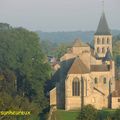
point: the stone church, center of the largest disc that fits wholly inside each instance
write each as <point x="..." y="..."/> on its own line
<point x="87" y="74"/>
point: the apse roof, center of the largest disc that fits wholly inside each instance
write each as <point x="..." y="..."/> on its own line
<point x="78" y="67"/>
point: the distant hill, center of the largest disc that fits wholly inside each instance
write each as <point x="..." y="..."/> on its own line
<point x="61" y="37"/>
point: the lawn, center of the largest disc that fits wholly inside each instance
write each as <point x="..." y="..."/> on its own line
<point x="65" y="115"/>
<point x="72" y="115"/>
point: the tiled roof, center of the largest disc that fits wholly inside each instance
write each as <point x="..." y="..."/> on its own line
<point x="78" y="67"/>
<point x="66" y="65"/>
<point x="103" y="28"/>
<point x="116" y="93"/>
<point x="100" y="68"/>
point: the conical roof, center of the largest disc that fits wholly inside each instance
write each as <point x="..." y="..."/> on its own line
<point x="103" y="28"/>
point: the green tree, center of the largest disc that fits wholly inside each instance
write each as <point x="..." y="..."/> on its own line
<point x="61" y="50"/>
<point x="88" y="112"/>
<point x="22" y="62"/>
<point x="48" y="47"/>
<point x="116" y="54"/>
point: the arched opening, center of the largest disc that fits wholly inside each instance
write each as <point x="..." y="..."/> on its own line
<point x="96" y="80"/>
<point x="103" y="41"/>
<point x="108" y="41"/>
<point x="108" y="48"/>
<point x="98" y="50"/>
<point x="98" y="41"/>
<point x="76" y="87"/>
<point x="104" y="80"/>
<point x="103" y="50"/>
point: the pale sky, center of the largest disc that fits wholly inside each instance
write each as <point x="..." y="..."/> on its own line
<point x="59" y="15"/>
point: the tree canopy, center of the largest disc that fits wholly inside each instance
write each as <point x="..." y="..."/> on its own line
<point x="88" y="112"/>
<point x="22" y="68"/>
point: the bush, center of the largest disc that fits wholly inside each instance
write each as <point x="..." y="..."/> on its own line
<point x="88" y="112"/>
<point x="116" y="115"/>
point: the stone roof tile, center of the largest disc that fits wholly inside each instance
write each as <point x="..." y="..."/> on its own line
<point x="78" y="67"/>
<point x="103" y="28"/>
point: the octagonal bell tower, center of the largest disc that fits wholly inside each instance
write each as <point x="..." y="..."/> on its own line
<point x="102" y="38"/>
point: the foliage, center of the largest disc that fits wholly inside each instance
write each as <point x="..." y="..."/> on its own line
<point x="61" y="50"/>
<point x="88" y="112"/>
<point x="116" y="115"/>
<point x="23" y="70"/>
<point x="105" y="114"/>
<point x="54" y="49"/>
<point x="48" y="47"/>
<point x="116" y="54"/>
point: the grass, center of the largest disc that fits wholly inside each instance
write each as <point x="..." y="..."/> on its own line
<point x="65" y="115"/>
<point x="72" y="115"/>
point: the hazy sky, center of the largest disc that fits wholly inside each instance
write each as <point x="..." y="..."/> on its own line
<point x="59" y="15"/>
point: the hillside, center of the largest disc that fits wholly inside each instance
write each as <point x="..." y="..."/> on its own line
<point x="60" y="37"/>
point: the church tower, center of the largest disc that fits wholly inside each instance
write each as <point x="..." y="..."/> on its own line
<point x="102" y="38"/>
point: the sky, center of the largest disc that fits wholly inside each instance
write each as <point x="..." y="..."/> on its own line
<point x="59" y="15"/>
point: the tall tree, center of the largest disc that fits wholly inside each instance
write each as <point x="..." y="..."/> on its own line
<point x="20" y="53"/>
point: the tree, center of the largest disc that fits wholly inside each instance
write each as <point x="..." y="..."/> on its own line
<point x="61" y="50"/>
<point x="116" y="54"/>
<point x="88" y="112"/>
<point x="23" y="62"/>
<point x="49" y="47"/>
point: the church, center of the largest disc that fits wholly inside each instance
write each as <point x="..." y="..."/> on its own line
<point x="87" y="74"/>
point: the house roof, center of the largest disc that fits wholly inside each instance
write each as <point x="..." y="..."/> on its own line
<point x="103" y="28"/>
<point x="99" y="68"/>
<point x="116" y="93"/>
<point x="78" y="67"/>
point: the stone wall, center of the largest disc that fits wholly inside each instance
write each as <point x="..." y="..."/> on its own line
<point x="53" y="97"/>
<point x="115" y="102"/>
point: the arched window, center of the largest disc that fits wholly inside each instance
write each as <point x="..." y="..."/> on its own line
<point x="108" y="41"/>
<point x="98" y="50"/>
<point x="76" y="87"/>
<point x="103" y="41"/>
<point x="95" y="80"/>
<point x="103" y="50"/>
<point x="104" y="80"/>
<point x="108" y="48"/>
<point x="98" y="41"/>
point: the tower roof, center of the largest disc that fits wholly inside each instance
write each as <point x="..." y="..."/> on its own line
<point x="103" y="28"/>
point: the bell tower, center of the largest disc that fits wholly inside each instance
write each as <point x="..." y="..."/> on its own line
<point x="102" y="38"/>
